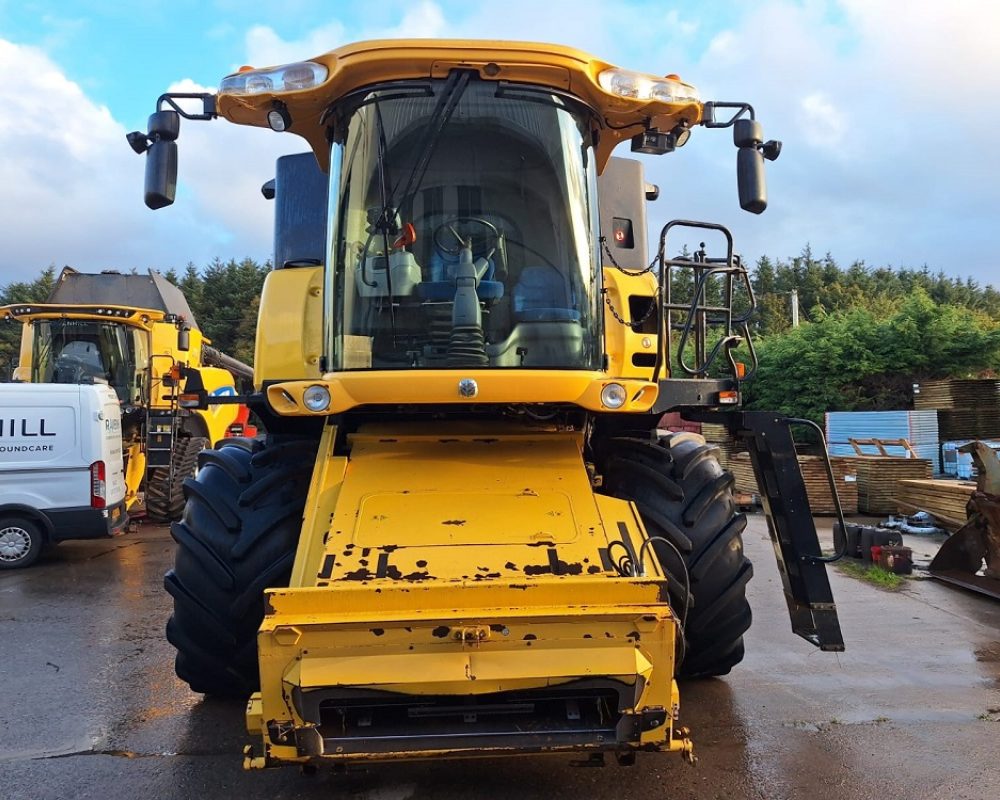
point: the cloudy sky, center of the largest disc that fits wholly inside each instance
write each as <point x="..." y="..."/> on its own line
<point x="888" y="111"/>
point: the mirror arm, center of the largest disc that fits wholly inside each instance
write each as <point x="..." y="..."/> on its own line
<point x="708" y="113"/>
<point x="208" y="104"/>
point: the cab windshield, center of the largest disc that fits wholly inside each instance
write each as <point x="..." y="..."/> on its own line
<point x="464" y="229"/>
<point x="83" y="351"/>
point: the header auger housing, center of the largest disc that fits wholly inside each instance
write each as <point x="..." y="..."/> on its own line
<point x="464" y="534"/>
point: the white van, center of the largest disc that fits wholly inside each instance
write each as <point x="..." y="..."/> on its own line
<point x="62" y="474"/>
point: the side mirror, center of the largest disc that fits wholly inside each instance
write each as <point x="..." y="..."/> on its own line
<point x="751" y="181"/>
<point x="184" y="339"/>
<point x="161" y="174"/>
<point x="161" y="158"/>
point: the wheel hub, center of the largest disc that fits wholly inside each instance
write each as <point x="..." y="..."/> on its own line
<point x="15" y="542"/>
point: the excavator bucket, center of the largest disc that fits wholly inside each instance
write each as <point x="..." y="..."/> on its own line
<point x="970" y="558"/>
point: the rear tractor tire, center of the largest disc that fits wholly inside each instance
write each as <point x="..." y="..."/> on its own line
<point x="683" y="495"/>
<point x="237" y="537"/>
<point x="165" y="487"/>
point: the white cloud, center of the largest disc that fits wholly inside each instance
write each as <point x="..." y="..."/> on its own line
<point x="71" y="184"/>
<point x="73" y="188"/>
<point x="886" y="124"/>
<point x="723" y="46"/>
<point x="823" y="125"/>
<point x="425" y="20"/>
<point x="266" y="48"/>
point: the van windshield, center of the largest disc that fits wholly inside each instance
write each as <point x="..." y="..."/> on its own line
<point x="84" y="351"/>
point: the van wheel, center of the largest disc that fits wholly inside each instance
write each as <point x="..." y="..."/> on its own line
<point x="20" y="542"/>
<point x="684" y="496"/>
<point x="237" y="537"/>
<point x="165" y="492"/>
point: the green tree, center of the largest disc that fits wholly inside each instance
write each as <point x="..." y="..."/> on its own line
<point x="867" y="359"/>
<point x="35" y="291"/>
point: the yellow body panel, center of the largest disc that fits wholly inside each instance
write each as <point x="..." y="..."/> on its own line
<point x="289" y="326"/>
<point x="353" y="389"/>
<point x="629" y="347"/>
<point x="468" y="560"/>
<point x="218" y="416"/>
<point x="364" y="63"/>
<point x="135" y="473"/>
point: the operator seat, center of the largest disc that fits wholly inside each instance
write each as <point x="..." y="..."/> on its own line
<point x="542" y="295"/>
<point x="547" y="330"/>
<point x="441" y="289"/>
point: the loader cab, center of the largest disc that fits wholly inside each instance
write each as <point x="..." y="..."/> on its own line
<point x="464" y="228"/>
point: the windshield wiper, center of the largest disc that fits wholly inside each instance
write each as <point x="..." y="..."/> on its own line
<point x="451" y="93"/>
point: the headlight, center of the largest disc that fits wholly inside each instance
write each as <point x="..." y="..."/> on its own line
<point x="286" y="78"/>
<point x="316" y="398"/>
<point x="613" y="395"/>
<point x="640" y="86"/>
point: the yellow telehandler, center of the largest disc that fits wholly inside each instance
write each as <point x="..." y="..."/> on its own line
<point x="137" y="334"/>
<point x="464" y="534"/>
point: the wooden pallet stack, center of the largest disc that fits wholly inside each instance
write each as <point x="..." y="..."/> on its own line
<point x="944" y="500"/>
<point x="969" y="423"/>
<point x="718" y="436"/>
<point x="816" y="480"/>
<point x="956" y="393"/>
<point x="967" y="409"/>
<point x="878" y="478"/>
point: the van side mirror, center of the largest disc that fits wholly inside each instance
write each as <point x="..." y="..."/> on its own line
<point x="184" y="339"/>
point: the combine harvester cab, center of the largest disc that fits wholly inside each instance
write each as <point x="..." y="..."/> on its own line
<point x="464" y="534"/>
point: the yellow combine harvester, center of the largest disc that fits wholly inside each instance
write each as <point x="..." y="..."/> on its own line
<point x="136" y="333"/>
<point x="464" y="534"/>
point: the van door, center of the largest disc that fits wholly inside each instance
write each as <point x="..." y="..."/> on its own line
<point x="111" y="446"/>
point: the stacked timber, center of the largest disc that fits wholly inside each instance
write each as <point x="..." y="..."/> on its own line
<point x="970" y="423"/>
<point x="718" y="436"/>
<point x="967" y="409"/>
<point x="954" y="393"/>
<point x="816" y="480"/>
<point x="944" y="500"/>
<point x="715" y="433"/>
<point x="878" y="478"/>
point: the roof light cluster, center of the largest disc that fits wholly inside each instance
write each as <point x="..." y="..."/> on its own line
<point x="114" y="312"/>
<point x="639" y="86"/>
<point x="275" y="80"/>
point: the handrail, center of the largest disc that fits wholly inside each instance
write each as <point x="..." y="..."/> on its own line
<point x="833" y="493"/>
<point x="697" y="312"/>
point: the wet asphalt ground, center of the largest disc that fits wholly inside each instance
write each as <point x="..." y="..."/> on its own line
<point x="90" y="707"/>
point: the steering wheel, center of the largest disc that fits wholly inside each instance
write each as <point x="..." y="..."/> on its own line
<point x="453" y="228"/>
